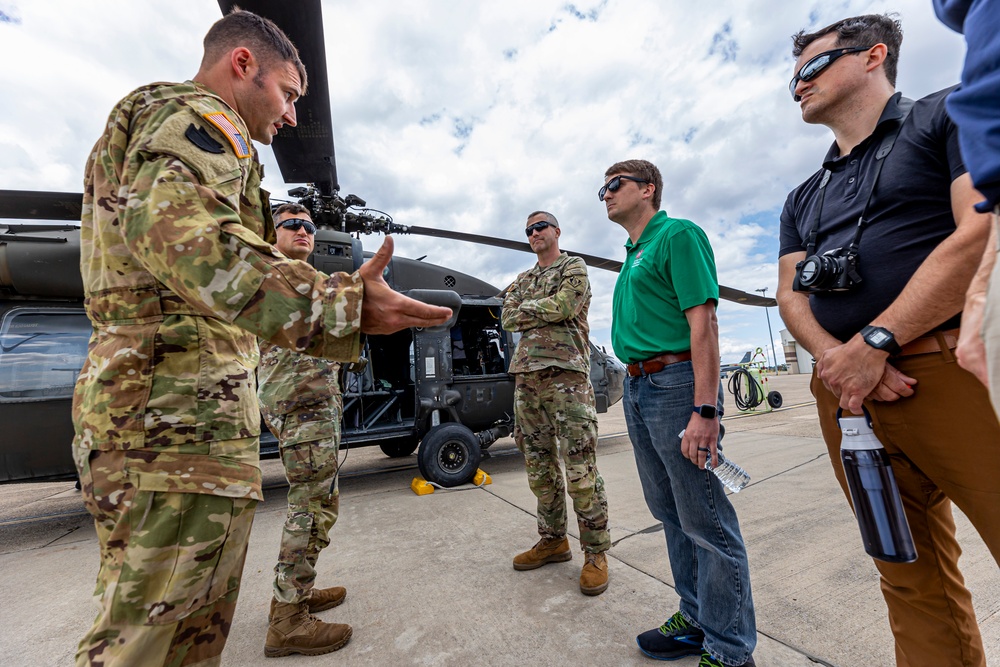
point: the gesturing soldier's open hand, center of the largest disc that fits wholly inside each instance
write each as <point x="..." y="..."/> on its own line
<point x="385" y="311"/>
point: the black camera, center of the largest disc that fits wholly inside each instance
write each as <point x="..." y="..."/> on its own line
<point x="834" y="271"/>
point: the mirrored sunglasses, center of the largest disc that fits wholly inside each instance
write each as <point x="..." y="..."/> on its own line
<point x="815" y="66"/>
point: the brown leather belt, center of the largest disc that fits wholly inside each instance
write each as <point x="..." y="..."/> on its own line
<point x="932" y="342"/>
<point x="657" y="363"/>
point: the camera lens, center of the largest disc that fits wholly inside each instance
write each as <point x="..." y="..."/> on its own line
<point x="820" y="271"/>
<point x="810" y="271"/>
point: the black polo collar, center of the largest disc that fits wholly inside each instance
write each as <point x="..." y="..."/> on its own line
<point x="890" y="115"/>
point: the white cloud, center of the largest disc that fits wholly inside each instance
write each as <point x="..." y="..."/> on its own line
<point x="468" y="116"/>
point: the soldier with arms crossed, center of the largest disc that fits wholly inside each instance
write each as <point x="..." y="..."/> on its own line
<point x="179" y="284"/>
<point x="554" y="408"/>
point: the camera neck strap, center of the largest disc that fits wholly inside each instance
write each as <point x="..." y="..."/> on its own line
<point x="904" y="105"/>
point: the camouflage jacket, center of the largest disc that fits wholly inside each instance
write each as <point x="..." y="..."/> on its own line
<point x="179" y="284"/>
<point x="289" y="380"/>
<point x="549" y="307"/>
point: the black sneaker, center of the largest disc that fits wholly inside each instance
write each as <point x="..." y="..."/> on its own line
<point x="709" y="661"/>
<point x="674" y="639"/>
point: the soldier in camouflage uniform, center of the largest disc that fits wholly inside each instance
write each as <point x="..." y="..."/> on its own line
<point x="300" y="400"/>
<point x="179" y="284"/>
<point x="554" y="412"/>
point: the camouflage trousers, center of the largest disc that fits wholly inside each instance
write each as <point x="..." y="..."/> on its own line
<point x="555" y="419"/>
<point x="309" y="439"/>
<point x="170" y="573"/>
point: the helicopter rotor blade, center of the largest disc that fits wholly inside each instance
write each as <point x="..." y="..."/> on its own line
<point x="33" y="205"/>
<point x="304" y="152"/>
<point x="745" y="298"/>
<point x="463" y="236"/>
<point x="727" y="293"/>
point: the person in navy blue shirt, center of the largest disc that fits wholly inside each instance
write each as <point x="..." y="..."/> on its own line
<point x="973" y="107"/>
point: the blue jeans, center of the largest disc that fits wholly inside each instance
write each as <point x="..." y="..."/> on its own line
<point x="707" y="555"/>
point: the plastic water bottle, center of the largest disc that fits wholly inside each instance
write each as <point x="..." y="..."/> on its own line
<point x="731" y="475"/>
<point x="877" y="505"/>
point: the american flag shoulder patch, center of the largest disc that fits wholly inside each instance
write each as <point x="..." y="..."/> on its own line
<point x="228" y="128"/>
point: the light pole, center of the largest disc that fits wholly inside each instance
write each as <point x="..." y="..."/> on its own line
<point x="774" y="355"/>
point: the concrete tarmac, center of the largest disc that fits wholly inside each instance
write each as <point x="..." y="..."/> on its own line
<point x="430" y="581"/>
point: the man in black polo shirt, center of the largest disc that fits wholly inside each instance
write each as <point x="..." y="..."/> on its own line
<point x="885" y="336"/>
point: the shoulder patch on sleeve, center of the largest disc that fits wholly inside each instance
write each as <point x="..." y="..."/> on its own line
<point x="220" y="120"/>
<point x="170" y="138"/>
<point x="200" y="137"/>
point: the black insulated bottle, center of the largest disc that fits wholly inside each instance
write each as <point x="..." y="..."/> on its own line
<point x="877" y="505"/>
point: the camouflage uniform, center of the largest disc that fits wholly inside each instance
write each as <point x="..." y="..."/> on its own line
<point x="300" y="400"/>
<point x="554" y="412"/>
<point x="179" y="284"/>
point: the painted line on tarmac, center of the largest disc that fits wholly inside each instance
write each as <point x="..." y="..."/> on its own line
<point x="740" y="415"/>
<point x="44" y="517"/>
<point x="783" y="408"/>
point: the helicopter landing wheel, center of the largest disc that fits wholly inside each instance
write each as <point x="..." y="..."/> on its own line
<point x="449" y="455"/>
<point x="399" y="447"/>
<point x="774" y="399"/>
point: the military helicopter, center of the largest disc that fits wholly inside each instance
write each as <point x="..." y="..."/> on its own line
<point x="445" y="389"/>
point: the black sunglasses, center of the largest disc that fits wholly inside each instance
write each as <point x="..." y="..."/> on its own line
<point x="537" y="227"/>
<point x="615" y="183"/>
<point x="815" y="66"/>
<point x="295" y="224"/>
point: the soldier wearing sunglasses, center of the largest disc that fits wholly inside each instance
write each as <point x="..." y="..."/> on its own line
<point x="301" y="403"/>
<point x="555" y="418"/>
<point x="887" y="341"/>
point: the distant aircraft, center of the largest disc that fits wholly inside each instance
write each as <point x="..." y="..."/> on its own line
<point x="725" y="370"/>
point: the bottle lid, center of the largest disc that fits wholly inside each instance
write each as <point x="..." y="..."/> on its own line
<point x="857" y="434"/>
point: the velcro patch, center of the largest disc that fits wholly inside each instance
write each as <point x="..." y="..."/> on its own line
<point x="228" y="128"/>
<point x="200" y="137"/>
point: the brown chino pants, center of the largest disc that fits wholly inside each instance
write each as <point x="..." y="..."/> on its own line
<point x="944" y="443"/>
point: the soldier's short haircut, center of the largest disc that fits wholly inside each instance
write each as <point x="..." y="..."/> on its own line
<point x="265" y="40"/>
<point x="292" y="208"/>
<point x="867" y="30"/>
<point x="548" y="217"/>
<point x="643" y="169"/>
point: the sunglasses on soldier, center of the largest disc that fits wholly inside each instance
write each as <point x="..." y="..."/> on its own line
<point x="537" y="227"/>
<point x="295" y="224"/>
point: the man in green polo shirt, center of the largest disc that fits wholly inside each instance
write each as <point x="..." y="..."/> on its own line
<point x="665" y="329"/>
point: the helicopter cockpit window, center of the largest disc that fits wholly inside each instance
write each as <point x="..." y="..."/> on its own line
<point x="477" y="342"/>
<point x="41" y="353"/>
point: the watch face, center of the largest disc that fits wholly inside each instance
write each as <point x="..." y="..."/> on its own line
<point x="878" y="337"/>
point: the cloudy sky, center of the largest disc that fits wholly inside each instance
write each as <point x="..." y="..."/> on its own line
<point x="470" y="115"/>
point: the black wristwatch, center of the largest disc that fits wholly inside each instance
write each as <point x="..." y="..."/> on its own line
<point x="707" y="411"/>
<point x="881" y="339"/>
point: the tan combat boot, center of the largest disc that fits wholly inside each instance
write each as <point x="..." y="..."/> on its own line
<point x="294" y="630"/>
<point x="321" y="599"/>
<point x="547" y="550"/>
<point x="594" y="575"/>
